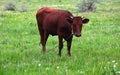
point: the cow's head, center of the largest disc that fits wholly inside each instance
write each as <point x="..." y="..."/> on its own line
<point x="77" y="23"/>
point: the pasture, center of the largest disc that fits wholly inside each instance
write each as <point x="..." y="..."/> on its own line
<point x="97" y="52"/>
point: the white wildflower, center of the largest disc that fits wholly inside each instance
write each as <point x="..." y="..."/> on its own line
<point x="47" y="68"/>
<point x="57" y="67"/>
<point x="118" y="72"/>
<point x="81" y="72"/>
<point x="114" y="65"/>
<point x="113" y="61"/>
<point x="39" y="65"/>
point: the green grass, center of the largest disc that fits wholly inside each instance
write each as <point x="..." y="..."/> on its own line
<point x="97" y="52"/>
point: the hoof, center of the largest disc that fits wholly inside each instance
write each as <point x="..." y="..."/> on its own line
<point x="69" y="54"/>
<point x="59" y="54"/>
<point x="43" y="52"/>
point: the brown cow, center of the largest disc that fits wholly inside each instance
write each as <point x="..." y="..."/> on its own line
<point x="61" y="23"/>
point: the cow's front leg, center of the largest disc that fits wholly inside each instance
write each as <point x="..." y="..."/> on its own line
<point x="60" y="44"/>
<point x="44" y="42"/>
<point x="69" y="42"/>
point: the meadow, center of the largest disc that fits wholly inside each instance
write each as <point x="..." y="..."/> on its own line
<point x="97" y="52"/>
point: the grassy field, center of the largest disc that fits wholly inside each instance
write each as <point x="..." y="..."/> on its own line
<point x="97" y="52"/>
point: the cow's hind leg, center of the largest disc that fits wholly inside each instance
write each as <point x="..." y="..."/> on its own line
<point x="41" y="36"/>
<point x="43" y="41"/>
<point x="60" y="44"/>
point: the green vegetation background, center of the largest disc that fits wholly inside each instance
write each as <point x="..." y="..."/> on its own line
<point x="97" y="52"/>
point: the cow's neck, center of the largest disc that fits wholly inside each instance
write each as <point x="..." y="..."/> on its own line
<point x="67" y="38"/>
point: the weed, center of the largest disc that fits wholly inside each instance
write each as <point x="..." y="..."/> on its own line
<point x="23" y="8"/>
<point x="10" y="6"/>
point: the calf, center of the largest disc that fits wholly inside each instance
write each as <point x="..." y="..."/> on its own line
<point x="58" y="22"/>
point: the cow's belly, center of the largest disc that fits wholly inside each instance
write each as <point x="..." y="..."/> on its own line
<point x="52" y="31"/>
<point x="50" y="27"/>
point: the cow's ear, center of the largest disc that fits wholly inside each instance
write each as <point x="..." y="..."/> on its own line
<point x="70" y="19"/>
<point x="85" y="20"/>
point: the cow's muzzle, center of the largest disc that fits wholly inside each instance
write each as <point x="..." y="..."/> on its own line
<point x="77" y="35"/>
